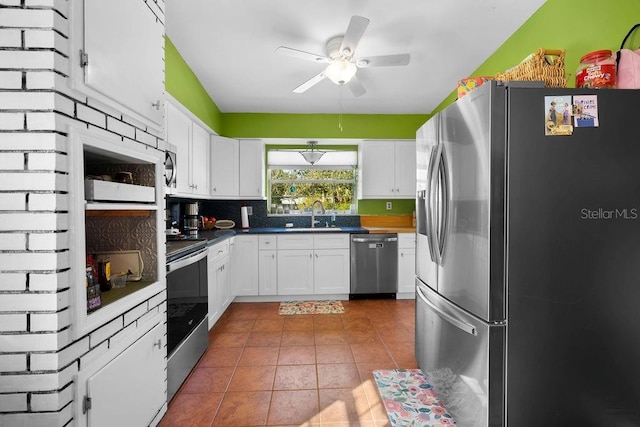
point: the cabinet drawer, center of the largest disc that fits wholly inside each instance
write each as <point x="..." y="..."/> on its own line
<point x="406" y="240"/>
<point x="267" y="242"/>
<point x="331" y="241"/>
<point x="297" y="241"/>
<point x="219" y="250"/>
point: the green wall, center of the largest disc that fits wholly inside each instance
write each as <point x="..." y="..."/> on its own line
<point x="368" y="126"/>
<point x="182" y="84"/>
<point x="578" y="26"/>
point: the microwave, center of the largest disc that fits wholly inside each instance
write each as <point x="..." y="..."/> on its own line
<point x="170" y="168"/>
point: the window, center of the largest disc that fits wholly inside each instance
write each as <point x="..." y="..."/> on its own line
<point x="294" y="185"/>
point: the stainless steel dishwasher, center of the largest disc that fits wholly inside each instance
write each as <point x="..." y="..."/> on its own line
<point x="374" y="265"/>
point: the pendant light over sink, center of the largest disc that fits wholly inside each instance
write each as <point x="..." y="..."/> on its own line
<point x="311" y="155"/>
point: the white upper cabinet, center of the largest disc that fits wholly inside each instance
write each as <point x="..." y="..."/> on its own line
<point x="224" y="167"/>
<point x="200" y="159"/>
<point x="122" y="55"/>
<point x="192" y="156"/>
<point x="387" y="169"/>
<point x="251" y="169"/>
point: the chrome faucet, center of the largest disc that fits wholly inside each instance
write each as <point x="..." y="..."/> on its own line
<point x="313" y="212"/>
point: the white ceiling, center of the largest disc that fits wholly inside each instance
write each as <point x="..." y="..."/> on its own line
<point x="230" y="44"/>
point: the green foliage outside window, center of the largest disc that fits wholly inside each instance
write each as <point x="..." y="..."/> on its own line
<point x="296" y="189"/>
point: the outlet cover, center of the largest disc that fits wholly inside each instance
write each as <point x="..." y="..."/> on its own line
<point x="389" y="206"/>
<point x="249" y="210"/>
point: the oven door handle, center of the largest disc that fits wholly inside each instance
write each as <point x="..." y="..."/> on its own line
<point x="191" y="259"/>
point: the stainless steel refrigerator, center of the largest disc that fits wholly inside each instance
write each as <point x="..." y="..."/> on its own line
<point x="528" y="256"/>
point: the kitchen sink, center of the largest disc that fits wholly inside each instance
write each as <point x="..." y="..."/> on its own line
<point x="313" y="229"/>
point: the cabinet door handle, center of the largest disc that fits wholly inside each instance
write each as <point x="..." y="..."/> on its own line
<point x="158" y="343"/>
<point x="156" y="105"/>
<point x="273" y="255"/>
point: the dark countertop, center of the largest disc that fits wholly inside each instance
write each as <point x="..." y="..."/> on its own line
<point x="216" y="236"/>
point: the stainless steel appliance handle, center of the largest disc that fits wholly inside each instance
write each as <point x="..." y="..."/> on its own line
<point x="169" y="166"/>
<point x="464" y="326"/>
<point x="366" y="240"/>
<point x="191" y="259"/>
<point x="421" y="212"/>
<point x="443" y="204"/>
<point x="432" y="178"/>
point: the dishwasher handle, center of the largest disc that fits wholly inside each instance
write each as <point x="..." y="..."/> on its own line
<point x="369" y="240"/>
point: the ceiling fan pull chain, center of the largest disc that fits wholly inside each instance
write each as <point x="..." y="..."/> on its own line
<point x="340" y="107"/>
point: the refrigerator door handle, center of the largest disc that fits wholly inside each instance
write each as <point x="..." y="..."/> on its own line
<point x="443" y="204"/>
<point x="431" y="174"/>
<point x="470" y="329"/>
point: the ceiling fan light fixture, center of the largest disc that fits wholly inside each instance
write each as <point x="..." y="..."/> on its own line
<point x="340" y="71"/>
<point x="311" y="155"/>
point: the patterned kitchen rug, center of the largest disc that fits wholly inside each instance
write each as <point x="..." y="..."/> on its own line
<point x="310" y="307"/>
<point x="410" y="399"/>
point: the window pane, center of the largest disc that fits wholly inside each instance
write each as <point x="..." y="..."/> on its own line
<point x="296" y="189"/>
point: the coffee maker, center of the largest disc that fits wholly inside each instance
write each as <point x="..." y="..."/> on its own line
<point x="190" y="226"/>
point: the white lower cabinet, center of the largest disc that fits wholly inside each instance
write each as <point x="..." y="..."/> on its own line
<point x="313" y="264"/>
<point x="219" y="291"/>
<point x="295" y="271"/>
<point x="267" y="265"/>
<point x="331" y="271"/>
<point x="244" y="265"/>
<point x="131" y="388"/>
<point x="407" y="264"/>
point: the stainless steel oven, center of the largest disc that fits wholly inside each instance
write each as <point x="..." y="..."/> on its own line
<point x="187" y="309"/>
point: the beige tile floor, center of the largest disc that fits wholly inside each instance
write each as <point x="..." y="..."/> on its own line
<point x="263" y="369"/>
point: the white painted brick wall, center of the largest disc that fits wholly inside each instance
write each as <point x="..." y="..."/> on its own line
<point x="12" y="201"/>
<point x="12" y="161"/>
<point x="23" y="18"/>
<point x="48" y="202"/>
<point x="13" y="281"/>
<point x="10" y="79"/>
<point x="38" y="354"/>
<point x="47" y="161"/>
<point x="11" y="121"/>
<point x="120" y="128"/>
<point x="34" y="342"/>
<point x="34" y="301"/>
<point x="32" y="141"/>
<point x="13" y="242"/>
<point x="92" y="116"/>
<point x="13" y="322"/>
<point x="48" y="241"/>
<point x="13" y="362"/>
<point x="40" y="322"/>
<point x="10" y="37"/>
<point x="50" y="281"/>
<point x="51" y="401"/>
<point x="55" y="361"/>
<point x="106" y="331"/>
<point x="32" y="59"/>
<point x="13" y="402"/>
<point x="33" y="221"/>
<point x="33" y="181"/>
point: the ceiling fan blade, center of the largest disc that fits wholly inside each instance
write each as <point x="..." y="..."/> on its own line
<point x="301" y="54"/>
<point x="309" y="83"/>
<point x="356" y="87"/>
<point x="354" y="33"/>
<point x="384" y="60"/>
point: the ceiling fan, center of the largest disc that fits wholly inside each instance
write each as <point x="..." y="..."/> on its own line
<point x="340" y="51"/>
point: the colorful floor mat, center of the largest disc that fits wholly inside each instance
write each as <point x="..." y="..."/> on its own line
<point x="410" y="400"/>
<point x="310" y="307"/>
